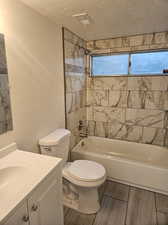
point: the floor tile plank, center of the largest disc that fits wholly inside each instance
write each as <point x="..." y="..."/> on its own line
<point x="116" y="190"/>
<point x="141" y="208"/>
<point x="162" y="203"/>
<point x="162" y="218"/>
<point x="113" y="212"/>
<point x="75" y="218"/>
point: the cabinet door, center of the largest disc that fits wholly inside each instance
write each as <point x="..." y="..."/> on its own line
<point x="20" y="217"/>
<point x="45" y="205"/>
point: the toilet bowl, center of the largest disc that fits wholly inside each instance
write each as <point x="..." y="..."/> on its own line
<point x="85" y="176"/>
<point x="81" y="178"/>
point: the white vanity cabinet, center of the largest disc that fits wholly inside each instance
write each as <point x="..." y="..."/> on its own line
<point x="43" y="206"/>
<point x="20" y="217"/>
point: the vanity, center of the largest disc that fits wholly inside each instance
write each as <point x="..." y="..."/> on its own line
<point x="30" y="188"/>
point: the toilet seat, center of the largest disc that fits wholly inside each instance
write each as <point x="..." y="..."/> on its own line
<point x="85" y="170"/>
<point x="85" y="173"/>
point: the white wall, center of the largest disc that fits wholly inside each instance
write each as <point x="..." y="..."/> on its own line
<point x="35" y="63"/>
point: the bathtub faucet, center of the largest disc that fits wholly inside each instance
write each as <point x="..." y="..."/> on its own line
<point x="83" y="130"/>
<point x="81" y="125"/>
<point x="83" y="135"/>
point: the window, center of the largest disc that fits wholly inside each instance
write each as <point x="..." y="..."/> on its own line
<point x="146" y="63"/>
<point x="110" y="65"/>
<point x="149" y="63"/>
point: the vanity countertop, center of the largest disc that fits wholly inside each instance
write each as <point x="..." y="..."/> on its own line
<point x="20" y="173"/>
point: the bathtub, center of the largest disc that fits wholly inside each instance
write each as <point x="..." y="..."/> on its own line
<point x="139" y="165"/>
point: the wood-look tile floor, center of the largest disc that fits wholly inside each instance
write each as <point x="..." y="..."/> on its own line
<point x="124" y="205"/>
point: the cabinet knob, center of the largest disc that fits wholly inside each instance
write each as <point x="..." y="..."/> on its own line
<point x="34" y="207"/>
<point x="25" y="218"/>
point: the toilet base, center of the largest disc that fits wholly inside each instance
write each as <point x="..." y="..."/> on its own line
<point x="82" y="199"/>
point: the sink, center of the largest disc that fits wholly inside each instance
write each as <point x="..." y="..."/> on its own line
<point x="10" y="176"/>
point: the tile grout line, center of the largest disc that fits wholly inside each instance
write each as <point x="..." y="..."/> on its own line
<point x="115" y="198"/>
<point x="156" y="209"/>
<point x="127" y="205"/>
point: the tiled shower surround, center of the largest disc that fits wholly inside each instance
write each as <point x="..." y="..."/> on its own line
<point x="126" y="108"/>
<point x="75" y="80"/>
<point x="129" y="108"/>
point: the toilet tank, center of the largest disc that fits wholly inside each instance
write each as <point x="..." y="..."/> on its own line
<point x="56" y="144"/>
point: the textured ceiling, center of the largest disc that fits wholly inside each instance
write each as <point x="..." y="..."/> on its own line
<point x="111" y="18"/>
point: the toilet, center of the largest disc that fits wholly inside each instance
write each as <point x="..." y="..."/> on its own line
<point x="81" y="178"/>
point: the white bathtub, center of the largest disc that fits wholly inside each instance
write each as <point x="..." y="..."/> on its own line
<point x="131" y="163"/>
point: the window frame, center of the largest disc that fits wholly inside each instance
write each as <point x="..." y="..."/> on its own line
<point x="129" y="64"/>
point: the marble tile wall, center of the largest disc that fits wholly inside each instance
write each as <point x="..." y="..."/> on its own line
<point x="130" y="43"/>
<point x="75" y="81"/>
<point x="5" y="105"/>
<point x="129" y="108"/>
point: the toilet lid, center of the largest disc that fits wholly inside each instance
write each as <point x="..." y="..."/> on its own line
<point x="86" y="170"/>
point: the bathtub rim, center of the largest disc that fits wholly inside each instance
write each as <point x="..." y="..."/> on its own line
<point x="163" y="148"/>
<point x="77" y="148"/>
